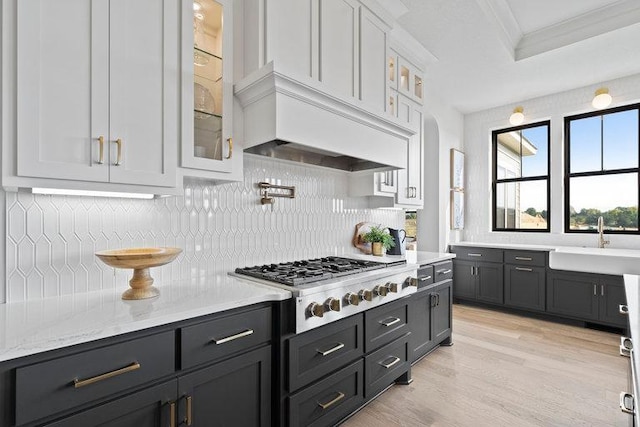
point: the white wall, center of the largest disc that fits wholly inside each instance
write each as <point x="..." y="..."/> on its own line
<point x="51" y="240"/>
<point x="443" y="131"/>
<point x="477" y="147"/>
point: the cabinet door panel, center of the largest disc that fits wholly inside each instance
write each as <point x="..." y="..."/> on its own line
<point x="524" y="287"/>
<point x="420" y="340"/>
<point x="216" y="392"/>
<point x="144" y="57"/>
<point x="490" y="282"/>
<point x="373" y="44"/>
<point x="464" y="279"/>
<point x="62" y="88"/>
<point x="572" y="295"/>
<point x="410" y="179"/>
<point x="337" y="56"/>
<point x="612" y="295"/>
<point x="147" y="408"/>
<point x="441" y="314"/>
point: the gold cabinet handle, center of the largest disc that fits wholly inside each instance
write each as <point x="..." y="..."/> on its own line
<point x="101" y="141"/>
<point x="233" y="337"/>
<point x="189" y="408"/>
<point x="230" y="142"/>
<point x="389" y="365"/>
<point x="81" y="383"/>
<point x="172" y="414"/>
<point x="119" y="158"/>
<point x="332" y="402"/>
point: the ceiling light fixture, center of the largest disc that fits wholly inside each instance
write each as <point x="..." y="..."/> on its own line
<point x="517" y="117"/>
<point x="602" y="99"/>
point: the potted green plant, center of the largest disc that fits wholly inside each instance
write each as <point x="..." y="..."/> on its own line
<point x="379" y="239"/>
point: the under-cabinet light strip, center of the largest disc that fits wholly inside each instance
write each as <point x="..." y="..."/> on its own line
<point x="66" y="192"/>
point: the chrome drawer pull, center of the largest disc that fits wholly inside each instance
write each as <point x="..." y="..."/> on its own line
<point x="524" y="258"/>
<point x="233" y="337"/>
<point x="524" y="269"/>
<point x="444" y="271"/>
<point x="623" y="309"/>
<point x="396" y="360"/>
<point x="422" y="279"/>
<point x="623" y="404"/>
<point x="332" y="402"/>
<point x="81" y="383"/>
<point x="331" y="350"/>
<point x="626" y="345"/>
<point x="474" y="254"/>
<point x="388" y="323"/>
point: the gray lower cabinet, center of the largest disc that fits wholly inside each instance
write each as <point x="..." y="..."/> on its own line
<point x="236" y="392"/>
<point x="151" y="407"/>
<point x="481" y="281"/>
<point x="140" y="379"/>
<point x="524" y="287"/>
<point x="430" y="317"/>
<point x="589" y="297"/>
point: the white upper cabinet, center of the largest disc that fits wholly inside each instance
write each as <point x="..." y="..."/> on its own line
<point x="96" y="91"/>
<point x="373" y="44"/>
<point x="410" y="187"/>
<point x="338" y="33"/>
<point x="207" y="148"/>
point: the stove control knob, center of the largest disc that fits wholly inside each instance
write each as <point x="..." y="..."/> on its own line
<point x="380" y="290"/>
<point x="365" y="295"/>
<point x="352" y="299"/>
<point x="332" y="304"/>
<point x="315" y="309"/>
<point x="392" y="287"/>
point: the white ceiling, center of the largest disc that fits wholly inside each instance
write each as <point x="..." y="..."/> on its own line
<point x="488" y="53"/>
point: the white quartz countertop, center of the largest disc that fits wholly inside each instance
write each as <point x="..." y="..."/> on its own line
<point x="521" y="246"/>
<point x="37" y="326"/>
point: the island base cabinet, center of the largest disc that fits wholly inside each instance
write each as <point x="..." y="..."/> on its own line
<point x="148" y="408"/>
<point x="236" y="392"/>
<point x="441" y="314"/>
<point x="329" y="400"/>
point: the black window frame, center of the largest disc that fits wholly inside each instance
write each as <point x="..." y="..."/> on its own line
<point x="567" y="166"/>
<point x="495" y="181"/>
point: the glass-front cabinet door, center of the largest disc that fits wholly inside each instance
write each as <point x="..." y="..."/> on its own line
<point x="207" y="50"/>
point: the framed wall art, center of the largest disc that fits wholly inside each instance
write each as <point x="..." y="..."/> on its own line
<point x="457" y="169"/>
<point x="457" y="210"/>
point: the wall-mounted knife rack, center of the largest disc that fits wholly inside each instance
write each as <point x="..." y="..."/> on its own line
<point x="267" y="197"/>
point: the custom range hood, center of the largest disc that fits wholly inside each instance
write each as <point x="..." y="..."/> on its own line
<point x="289" y="119"/>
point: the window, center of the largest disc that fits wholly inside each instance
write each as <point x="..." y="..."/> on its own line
<point x="602" y="170"/>
<point x="521" y="178"/>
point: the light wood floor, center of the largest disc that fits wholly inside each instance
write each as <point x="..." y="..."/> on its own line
<point x="507" y="370"/>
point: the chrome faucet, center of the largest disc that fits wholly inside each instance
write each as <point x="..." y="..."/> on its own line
<point x="601" y="240"/>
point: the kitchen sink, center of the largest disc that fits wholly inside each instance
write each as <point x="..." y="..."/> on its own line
<point x="596" y="260"/>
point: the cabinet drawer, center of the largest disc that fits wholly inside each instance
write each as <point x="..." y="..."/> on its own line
<point x="322" y="350"/>
<point x="384" y="366"/>
<point x="217" y="338"/>
<point x="386" y="323"/>
<point x="477" y="254"/>
<point x="330" y="400"/>
<point x="49" y="387"/>
<point x="525" y="258"/>
<point x="442" y="271"/>
<point x="425" y="276"/>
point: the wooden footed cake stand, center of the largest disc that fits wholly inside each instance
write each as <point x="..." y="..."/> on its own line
<point x="140" y="260"/>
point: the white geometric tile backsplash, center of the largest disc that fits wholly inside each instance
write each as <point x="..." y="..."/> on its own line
<point x="51" y="240"/>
